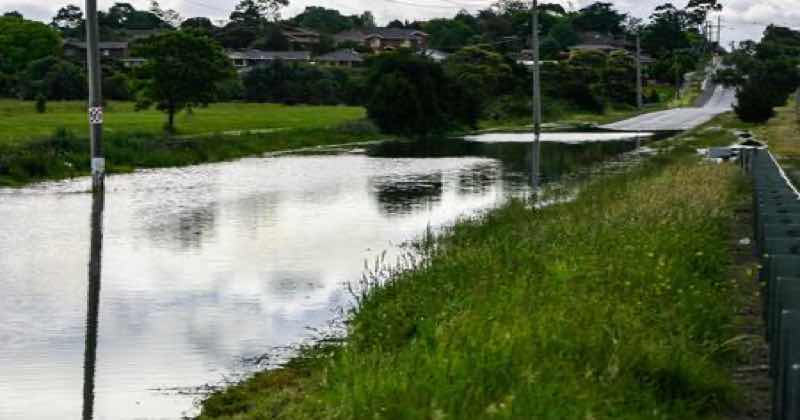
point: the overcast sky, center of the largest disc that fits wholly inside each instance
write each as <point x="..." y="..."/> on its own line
<point x="742" y="19"/>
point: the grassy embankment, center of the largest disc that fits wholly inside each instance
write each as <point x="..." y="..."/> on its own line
<point x="619" y="305"/>
<point x="54" y="145"/>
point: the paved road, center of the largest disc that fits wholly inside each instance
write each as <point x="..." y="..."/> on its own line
<point x="680" y="119"/>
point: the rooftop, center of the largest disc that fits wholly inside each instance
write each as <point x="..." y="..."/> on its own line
<point x="269" y="55"/>
<point x="342" y="55"/>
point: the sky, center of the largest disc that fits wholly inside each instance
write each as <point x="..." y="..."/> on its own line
<point x="741" y="19"/>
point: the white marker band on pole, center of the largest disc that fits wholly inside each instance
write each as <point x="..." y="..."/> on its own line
<point x="96" y="115"/>
<point x="98" y="166"/>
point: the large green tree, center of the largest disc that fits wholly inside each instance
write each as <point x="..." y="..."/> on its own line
<point x="600" y="17"/>
<point x="183" y="70"/>
<point x="23" y="41"/>
<point x="410" y="95"/>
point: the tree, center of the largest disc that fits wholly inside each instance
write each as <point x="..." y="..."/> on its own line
<point x="169" y="16"/>
<point x="448" y="34"/>
<point x="182" y="71"/>
<point x="254" y="10"/>
<point x="600" y="17"/>
<point x="667" y="31"/>
<point x="201" y="25"/>
<point x="366" y="21"/>
<point x="324" y="20"/>
<point x="23" y="41"/>
<point x="68" y="18"/>
<point x="396" y="24"/>
<point x="564" y="33"/>
<point x="698" y="10"/>
<point x="53" y="79"/>
<point x="484" y="70"/>
<point x="13" y="14"/>
<point x="754" y="104"/>
<point x="410" y="95"/>
<point x="620" y="76"/>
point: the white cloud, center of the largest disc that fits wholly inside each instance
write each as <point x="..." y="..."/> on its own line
<point x="742" y="19"/>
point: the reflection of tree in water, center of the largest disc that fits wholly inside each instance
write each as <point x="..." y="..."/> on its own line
<point x="557" y="158"/>
<point x="405" y="194"/>
<point x="477" y="179"/>
<point x="188" y="228"/>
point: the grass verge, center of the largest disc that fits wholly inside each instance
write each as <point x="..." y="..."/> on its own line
<point x="616" y="305"/>
<point x="65" y="155"/>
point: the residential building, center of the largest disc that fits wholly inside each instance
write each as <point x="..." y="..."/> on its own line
<point x="76" y="50"/>
<point x="300" y="38"/>
<point x="342" y="58"/>
<point x="596" y="41"/>
<point x="244" y="60"/>
<point x="386" y="39"/>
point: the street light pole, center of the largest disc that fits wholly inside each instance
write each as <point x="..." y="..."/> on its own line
<point x="95" y="96"/>
<point x="537" y="97"/>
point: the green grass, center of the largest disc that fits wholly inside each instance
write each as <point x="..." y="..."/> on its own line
<point x="19" y="122"/>
<point x="55" y="145"/>
<point x="66" y="155"/>
<point x="618" y="305"/>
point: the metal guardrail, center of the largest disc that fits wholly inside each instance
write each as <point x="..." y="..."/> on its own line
<point x="776" y="205"/>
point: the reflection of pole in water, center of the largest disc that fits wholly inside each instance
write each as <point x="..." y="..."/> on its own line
<point x="93" y="301"/>
<point x="537" y="99"/>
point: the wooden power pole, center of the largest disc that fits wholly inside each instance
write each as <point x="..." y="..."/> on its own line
<point x="95" y="95"/>
<point x="639" y="98"/>
<point x="537" y="97"/>
<point x="98" y="204"/>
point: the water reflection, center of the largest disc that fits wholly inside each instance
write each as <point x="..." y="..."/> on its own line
<point x="93" y="300"/>
<point x="213" y="264"/>
<point x="402" y="196"/>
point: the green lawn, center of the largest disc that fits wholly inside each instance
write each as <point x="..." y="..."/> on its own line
<point x="19" y="121"/>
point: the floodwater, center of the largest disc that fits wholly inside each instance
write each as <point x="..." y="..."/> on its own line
<point x="207" y="267"/>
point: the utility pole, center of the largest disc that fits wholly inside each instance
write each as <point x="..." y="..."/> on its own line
<point x="537" y="97"/>
<point x="639" y="98"/>
<point x="95" y="96"/>
<point x="98" y="205"/>
<point x="719" y="30"/>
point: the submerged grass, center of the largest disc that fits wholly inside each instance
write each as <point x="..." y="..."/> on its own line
<point x="617" y="305"/>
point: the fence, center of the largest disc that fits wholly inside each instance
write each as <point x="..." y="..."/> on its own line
<point x="776" y="206"/>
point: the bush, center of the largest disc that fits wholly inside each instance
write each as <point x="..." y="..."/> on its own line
<point x="412" y="96"/>
<point x="754" y="103"/>
<point x="41" y="104"/>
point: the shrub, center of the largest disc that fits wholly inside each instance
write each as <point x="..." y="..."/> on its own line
<point x="755" y="104"/>
<point x="41" y="103"/>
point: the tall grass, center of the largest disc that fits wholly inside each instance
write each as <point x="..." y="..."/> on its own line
<point x="617" y="305"/>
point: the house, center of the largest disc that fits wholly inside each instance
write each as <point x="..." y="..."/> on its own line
<point x="343" y="58"/>
<point x="244" y="60"/>
<point x="596" y="41"/>
<point x="76" y="50"/>
<point x="300" y="38"/>
<point x="386" y="39"/>
<point x="435" y="55"/>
